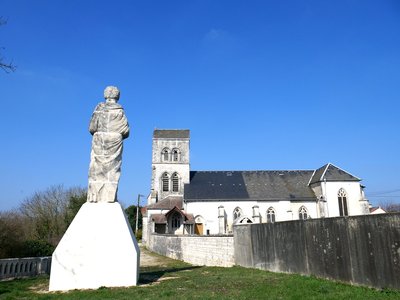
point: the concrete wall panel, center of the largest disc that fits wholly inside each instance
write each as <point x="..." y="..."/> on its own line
<point x="360" y="249"/>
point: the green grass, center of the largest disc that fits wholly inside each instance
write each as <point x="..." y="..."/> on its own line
<point x="177" y="280"/>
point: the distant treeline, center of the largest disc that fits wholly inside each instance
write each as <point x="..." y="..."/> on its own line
<point x="36" y="227"/>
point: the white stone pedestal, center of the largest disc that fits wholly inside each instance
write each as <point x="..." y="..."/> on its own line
<point x="98" y="249"/>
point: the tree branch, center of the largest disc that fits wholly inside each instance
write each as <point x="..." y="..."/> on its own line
<point x="6" y="67"/>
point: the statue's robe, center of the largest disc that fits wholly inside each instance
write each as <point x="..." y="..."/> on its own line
<point x="109" y="127"/>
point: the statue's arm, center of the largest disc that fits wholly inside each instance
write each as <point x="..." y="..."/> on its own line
<point x="125" y="133"/>
<point x="93" y="123"/>
<point x="125" y="128"/>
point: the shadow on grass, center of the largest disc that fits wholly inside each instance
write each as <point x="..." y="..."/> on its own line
<point x="154" y="276"/>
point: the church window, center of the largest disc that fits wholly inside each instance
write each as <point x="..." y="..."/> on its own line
<point x="303" y="214"/>
<point x="237" y="213"/>
<point x="165" y="182"/>
<point x="165" y="154"/>
<point x="270" y="215"/>
<point x="175" y="155"/>
<point x="175" y="182"/>
<point x="342" y="199"/>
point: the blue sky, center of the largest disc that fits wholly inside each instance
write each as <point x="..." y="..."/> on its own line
<point x="262" y="85"/>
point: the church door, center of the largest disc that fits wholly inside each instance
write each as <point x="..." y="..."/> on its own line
<point x="198" y="229"/>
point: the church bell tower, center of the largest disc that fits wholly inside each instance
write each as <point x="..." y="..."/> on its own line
<point x="170" y="163"/>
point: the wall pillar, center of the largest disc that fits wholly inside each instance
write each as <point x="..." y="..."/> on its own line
<point x="221" y="219"/>
<point x="256" y="214"/>
<point x="322" y="207"/>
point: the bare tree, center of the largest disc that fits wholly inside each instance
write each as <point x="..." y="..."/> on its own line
<point x="48" y="212"/>
<point x="7" y="67"/>
<point x="36" y="227"/>
<point x="12" y="234"/>
<point x="390" y="206"/>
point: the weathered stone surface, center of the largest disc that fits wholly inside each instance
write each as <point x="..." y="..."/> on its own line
<point x="360" y="249"/>
<point x="98" y="249"/>
<point x="109" y="128"/>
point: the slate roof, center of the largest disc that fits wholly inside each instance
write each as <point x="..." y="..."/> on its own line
<point x="249" y="185"/>
<point x="159" y="218"/>
<point x="168" y="203"/>
<point x="162" y="218"/>
<point x="330" y="172"/>
<point x="171" y="134"/>
<point x="187" y="218"/>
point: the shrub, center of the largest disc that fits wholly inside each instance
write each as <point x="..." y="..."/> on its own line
<point x="35" y="248"/>
<point x="139" y="234"/>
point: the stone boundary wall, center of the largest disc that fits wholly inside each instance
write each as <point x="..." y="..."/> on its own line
<point x="202" y="250"/>
<point x="361" y="249"/>
<point x="24" y="267"/>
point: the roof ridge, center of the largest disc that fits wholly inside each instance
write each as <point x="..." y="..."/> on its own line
<point x="345" y="171"/>
<point x="312" y="176"/>
<point x="323" y="174"/>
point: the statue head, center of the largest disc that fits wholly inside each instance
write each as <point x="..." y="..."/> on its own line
<point x="111" y="92"/>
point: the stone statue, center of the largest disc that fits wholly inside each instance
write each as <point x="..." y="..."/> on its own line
<point x="109" y="128"/>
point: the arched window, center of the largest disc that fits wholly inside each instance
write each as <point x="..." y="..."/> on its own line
<point x="176" y="221"/>
<point x="342" y="199"/>
<point x="303" y="214"/>
<point x="165" y="182"/>
<point x="175" y="155"/>
<point x="270" y="215"/>
<point x="237" y="212"/>
<point x="165" y="154"/>
<point x="245" y="220"/>
<point x="175" y="182"/>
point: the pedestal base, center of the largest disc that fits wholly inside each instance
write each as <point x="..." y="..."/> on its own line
<point x="98" y="249"/>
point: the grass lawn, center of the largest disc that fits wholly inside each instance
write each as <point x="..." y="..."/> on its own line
<point x="173" y="279"/>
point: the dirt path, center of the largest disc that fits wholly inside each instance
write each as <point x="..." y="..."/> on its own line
<point x="148" y="259"/>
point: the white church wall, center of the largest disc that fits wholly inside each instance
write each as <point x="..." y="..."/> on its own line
<point x="355" y="202"/>
<point x="281" y="209"/>
<point x="209" y="211"/>
<point x="311" y="208"/>
<point x="284" y="211"/>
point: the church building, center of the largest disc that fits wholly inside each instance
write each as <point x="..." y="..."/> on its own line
<point x="182" y="201"/>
